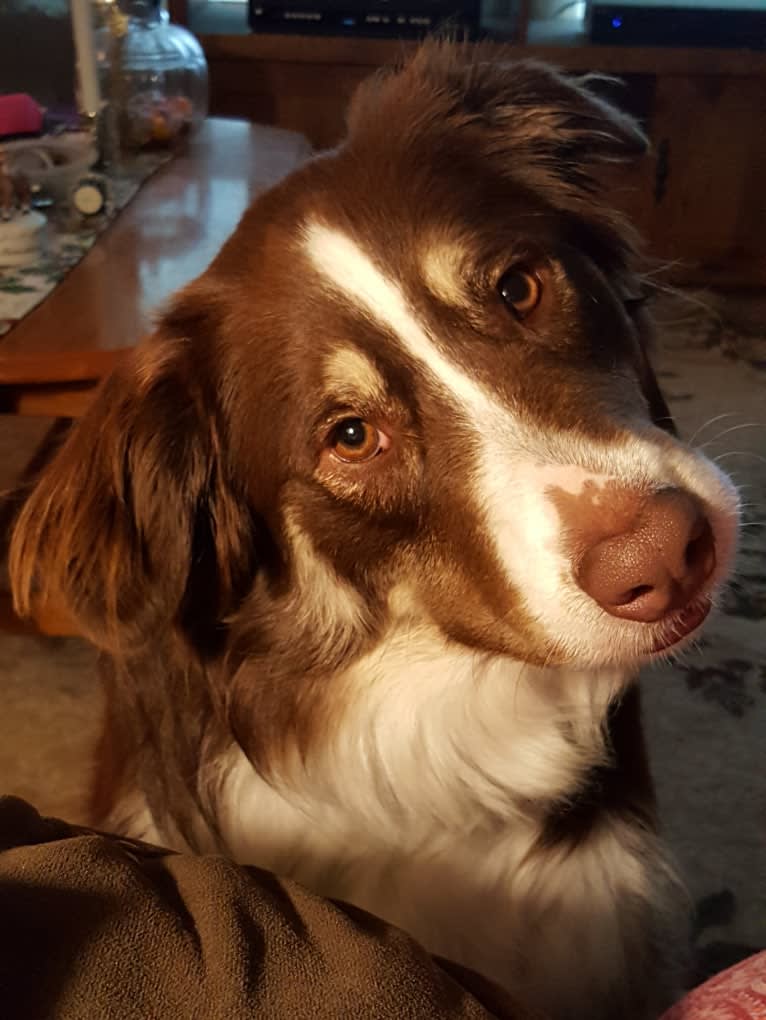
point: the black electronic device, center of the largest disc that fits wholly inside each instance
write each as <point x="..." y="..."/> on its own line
<point x="738" y="24"/>
<point x="382" y="18"/>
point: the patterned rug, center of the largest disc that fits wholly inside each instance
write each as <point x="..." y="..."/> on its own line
<point x="705" y="715"/>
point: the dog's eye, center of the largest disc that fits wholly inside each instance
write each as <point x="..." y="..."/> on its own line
<point x="354" y="440"/>
<point x="521" y="290"/>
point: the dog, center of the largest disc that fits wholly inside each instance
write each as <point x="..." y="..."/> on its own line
<point x="377" y="527"/>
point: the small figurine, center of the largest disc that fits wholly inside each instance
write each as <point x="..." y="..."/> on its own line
<point x="21" y="227"/>
<point x="15" y="191"/>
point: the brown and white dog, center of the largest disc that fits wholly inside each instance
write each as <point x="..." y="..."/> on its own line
<point x="378" y="526"/>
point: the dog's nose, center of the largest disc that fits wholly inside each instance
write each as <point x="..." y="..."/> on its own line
<point x="657" y="567"/>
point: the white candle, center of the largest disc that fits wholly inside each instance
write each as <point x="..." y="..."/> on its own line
<point x="85" y="50"/>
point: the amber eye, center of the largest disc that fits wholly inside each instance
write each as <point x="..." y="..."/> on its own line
<point x="521" y="290"/>
<point x="353" y="441"/>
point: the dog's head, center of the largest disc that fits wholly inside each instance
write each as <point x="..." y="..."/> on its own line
<point x="413" y="386"/>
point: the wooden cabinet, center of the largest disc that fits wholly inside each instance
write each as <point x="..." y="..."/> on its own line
<point x="699" y="198"/>
<point x="710" y="136"/>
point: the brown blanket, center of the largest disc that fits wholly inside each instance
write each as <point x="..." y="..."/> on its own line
<point x="95" y="927"/>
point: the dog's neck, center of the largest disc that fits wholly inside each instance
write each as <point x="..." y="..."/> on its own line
<point x="435" y="737"/>
<point x="431" y="805"/>
<point x="429" y="802"/>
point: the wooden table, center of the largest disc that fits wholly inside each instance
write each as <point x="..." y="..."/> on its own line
<point x="53" y="358"/>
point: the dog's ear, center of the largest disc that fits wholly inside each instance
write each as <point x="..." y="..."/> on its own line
<point x="522" y="114"/>
<point x="136" y="524"/>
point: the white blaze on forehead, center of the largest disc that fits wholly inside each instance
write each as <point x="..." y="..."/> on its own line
<point x="352" y="273"/>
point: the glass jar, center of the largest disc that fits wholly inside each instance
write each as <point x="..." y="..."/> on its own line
<point x="153" y="74"/>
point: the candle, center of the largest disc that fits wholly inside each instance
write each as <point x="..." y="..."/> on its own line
<point x="85" y="50"/>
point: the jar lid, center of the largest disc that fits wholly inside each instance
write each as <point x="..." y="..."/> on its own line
<point x="140" y="8"/>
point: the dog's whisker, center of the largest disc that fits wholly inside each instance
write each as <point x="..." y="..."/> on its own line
<point x="708" y="423"/>
<point x="740" y="453"/>
<point x="666" y="266"/>
<point x="733" y="428"/>
<point x="741" y="486"/>
<point x="693" y="300"/>
<point x="750" y="502"/>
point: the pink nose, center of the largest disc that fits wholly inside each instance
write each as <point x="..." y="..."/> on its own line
<point x="656" y="568"/>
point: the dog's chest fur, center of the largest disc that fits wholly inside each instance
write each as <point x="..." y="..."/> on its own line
<point x="428" y="807"/>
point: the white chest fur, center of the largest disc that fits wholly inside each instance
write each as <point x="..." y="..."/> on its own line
<point x="425" y="808"/>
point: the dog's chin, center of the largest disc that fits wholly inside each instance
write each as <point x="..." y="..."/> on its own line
<point x="681" y="628"/>
<point x="667" y="637"/>
<point x="628" y="645"/>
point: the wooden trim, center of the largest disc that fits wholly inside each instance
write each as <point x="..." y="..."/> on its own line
<point x="303" y="49"/>
<point x="657" y="60"/>
<point x="51" y="401"/>
<point x="57" y="366"/>
<point x="179" y="11"/>
<point x="523" y="17"/>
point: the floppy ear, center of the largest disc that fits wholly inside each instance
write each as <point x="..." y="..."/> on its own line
<point x="136" y="524"/>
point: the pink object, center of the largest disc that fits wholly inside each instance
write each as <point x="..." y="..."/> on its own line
<point x="20" y="115"/>
<point x="738" y="993"/>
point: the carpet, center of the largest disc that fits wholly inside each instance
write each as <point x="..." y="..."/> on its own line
<point x="705" y="713"/>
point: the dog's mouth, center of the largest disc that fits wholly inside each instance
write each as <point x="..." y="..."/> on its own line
<point x="681" y="624"/>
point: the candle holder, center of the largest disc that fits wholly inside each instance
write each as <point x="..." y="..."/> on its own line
<point x="88" y="91"/>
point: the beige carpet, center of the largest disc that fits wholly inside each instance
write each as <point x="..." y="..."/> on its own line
<point x="706" y="716"/>
<point x="50" y="699"/>
<point x="49" y="710"/>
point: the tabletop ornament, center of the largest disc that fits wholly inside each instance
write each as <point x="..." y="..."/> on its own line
<point x="21" y="227"/>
